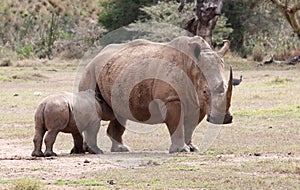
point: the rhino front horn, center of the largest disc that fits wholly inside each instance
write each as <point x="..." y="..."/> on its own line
<point x="229" y="89"/>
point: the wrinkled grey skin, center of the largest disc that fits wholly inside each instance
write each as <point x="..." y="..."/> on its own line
<point x="69" y="113"/>
<point x="209" y="62"/>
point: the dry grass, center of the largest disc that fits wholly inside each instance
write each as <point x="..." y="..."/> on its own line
<point x="260" y="150"/>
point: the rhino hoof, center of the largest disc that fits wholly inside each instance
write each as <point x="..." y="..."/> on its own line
<point x="185" y="148"/>
<point x="49" y="153"/>
<point x="37" y="154"/>
<point x="77" y="151"/>
<point x="193" y="148"/>
<point x="120" y="148"/>
<point x="95" y="151"/>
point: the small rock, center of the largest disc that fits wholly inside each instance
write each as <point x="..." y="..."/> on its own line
<point x="37" y="93"/>
<point x="86" y="161"/>
<point x="257" y="154"/>
<point x="111" y="182"/>
<point x="270" y="127"/>
<point x="289" y="153"/>
<point x="16" y="94"/>
<point x="219" y="156"/>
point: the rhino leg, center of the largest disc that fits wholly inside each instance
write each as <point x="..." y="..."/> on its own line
<point x="39" y="131"/>
<point x="189" y="128"/>
<point x="78" y="144"/>
<point x="49" y="141"/>
<point x="37" y="141"/>
<point x="90" y="137"/>
<point x="115" y="131"/>
<point x="174" y="121"/>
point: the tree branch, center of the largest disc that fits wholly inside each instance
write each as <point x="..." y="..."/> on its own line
<point x="289" y="14"/>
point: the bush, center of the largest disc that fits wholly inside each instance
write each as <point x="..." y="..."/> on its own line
<point x="118" y="13"/>
<point x="258" y="53"/>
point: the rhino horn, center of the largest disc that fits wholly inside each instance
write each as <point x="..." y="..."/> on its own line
<point x="229" y="90"/>
<point x="224" y="49"/>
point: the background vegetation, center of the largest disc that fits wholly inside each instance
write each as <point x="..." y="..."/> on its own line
<point x="67" y="29"/>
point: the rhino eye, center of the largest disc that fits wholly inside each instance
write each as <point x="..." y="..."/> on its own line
<point x="204" y="91"/>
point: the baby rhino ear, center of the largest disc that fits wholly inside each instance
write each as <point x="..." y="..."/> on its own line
<point x="196" y="48"/>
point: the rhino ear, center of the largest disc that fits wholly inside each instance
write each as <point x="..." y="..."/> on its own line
<point x="224" y="49"/>
<point x="196" y="48"/>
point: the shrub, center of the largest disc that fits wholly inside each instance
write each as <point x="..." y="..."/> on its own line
<point x="258" y="53"/>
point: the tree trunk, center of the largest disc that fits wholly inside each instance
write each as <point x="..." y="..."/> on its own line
<point x="207" y="12"/>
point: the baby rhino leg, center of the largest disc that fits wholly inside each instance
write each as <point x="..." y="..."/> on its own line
<point x="78" y="144"/>
<point x="49" y="141"/>
<point x="37" y="141"/>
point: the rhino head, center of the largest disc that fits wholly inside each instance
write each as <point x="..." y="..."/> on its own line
<point x="212" y="66"/>
<point x="220" y="103"/>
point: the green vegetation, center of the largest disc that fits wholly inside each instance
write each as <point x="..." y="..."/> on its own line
<point x="26" y="184"/>
<point x="80" y="182"/>
<point x="67" y="29"/>
<point x="118" y="13"/>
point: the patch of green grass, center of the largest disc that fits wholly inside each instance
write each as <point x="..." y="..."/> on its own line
<point x="4" y="78"/>
<point x="279" y="80"/>
<point x="281" y="111"/>
<point x="26" y="184"/>
<point x="84" y="182"/>
<point x="4" y="181"/>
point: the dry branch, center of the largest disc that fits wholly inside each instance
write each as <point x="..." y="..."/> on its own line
<point x="289" y="13"/>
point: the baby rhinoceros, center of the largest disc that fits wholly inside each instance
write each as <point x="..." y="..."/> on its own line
<point x="74" y="113"/>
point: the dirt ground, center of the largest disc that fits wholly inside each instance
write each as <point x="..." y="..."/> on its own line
<point x="260" y="150"/>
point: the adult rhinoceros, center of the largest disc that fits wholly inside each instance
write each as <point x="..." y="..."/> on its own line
<point x="176" y="83"/>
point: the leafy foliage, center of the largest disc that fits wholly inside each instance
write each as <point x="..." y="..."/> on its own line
<point x="118" y="13"/>
<point x="257" y="24"/>
<point x="166" y="13"/>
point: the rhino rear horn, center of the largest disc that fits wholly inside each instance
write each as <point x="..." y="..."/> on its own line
<point x="224" y="49"/>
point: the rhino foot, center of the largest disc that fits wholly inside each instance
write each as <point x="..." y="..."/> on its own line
<point x="120" y="148"/>
<point x="49" y="153"/>
<point x="76" y="150"/>
<point x="193" y="148"/>
<point x="95" y="150"/>
<point x="174" y="149"/>
<point x="37" y="153"/>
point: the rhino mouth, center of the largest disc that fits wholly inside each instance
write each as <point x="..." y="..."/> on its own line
<point x="225" y="119"/>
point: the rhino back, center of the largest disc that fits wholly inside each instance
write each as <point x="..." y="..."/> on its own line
<point x="90" y="74"/>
